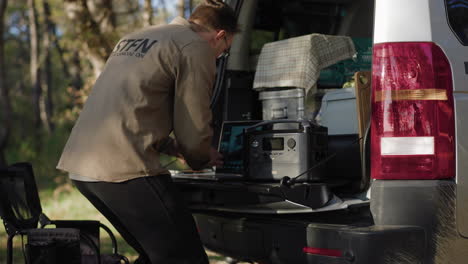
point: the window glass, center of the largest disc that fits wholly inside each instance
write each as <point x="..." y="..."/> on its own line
<point x="457" y="11"/>
<point x="260" y="37"/>
<point x="279" y="19"/>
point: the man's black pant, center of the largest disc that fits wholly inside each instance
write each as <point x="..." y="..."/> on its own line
<point x="151" y="216"/>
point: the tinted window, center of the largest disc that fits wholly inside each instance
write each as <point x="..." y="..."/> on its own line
<point x="458" y="18"/>
<point x="280" y="19"/>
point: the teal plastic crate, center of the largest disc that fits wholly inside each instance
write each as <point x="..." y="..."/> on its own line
<point x="337" y="74"/>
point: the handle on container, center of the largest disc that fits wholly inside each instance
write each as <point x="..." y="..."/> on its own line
<point x="303" y="123"/>
<point x="279" y="113"/>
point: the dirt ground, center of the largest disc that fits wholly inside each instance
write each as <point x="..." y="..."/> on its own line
<point x="219" y="259"/>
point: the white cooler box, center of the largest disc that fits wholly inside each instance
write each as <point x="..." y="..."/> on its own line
<point x="338" y="112"/>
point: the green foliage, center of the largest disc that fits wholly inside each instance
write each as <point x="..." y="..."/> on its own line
<point x="42" y="150"/>
<point x="28" y="142"/>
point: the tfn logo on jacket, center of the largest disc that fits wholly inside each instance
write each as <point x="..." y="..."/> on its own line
<point x="133" y="47"/>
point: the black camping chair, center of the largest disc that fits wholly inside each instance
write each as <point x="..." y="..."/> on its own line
<point x="69" y="242"/>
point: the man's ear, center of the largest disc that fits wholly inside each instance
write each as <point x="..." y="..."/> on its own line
<point x="221" y="34"/>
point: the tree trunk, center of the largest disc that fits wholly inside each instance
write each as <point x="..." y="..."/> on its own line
<point x="34" y="62"/>
<point x="52" y="31"/>
<point x="164" y="8"/>
<point x="75" y="71"/>
<point x="65" y="69"/>
<point x="5" y="114"/>
<point x="148" y="13"/>
<point x="95" y="26"/>
<point x="102" y="12"/>
<point x="20" y="40"/>
<point x="46" y="98"/>
<point x="190" y="6"/>
<point x="181" y="8"/>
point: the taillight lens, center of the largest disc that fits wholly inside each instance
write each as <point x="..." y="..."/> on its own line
<point x="413" y="125"/>
<point x="323" y="251"/>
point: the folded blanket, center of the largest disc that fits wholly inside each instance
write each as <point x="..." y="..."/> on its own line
<point x="296" y="62"/>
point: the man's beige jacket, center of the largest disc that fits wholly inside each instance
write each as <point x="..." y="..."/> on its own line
<point x="156" y="81"/>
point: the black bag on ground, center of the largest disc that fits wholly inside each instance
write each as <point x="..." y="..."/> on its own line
<point x="70" y="242"/>
<point x="53" y="246"/>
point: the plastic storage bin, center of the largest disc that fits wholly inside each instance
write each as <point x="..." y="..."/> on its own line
<point x="341" y="72"/>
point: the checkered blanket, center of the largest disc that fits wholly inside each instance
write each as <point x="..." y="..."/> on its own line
<point x="296" y="62"/>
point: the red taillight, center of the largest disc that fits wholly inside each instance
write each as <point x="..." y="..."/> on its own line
<point x="413" y="125"/>
<point x="323" y="251"/>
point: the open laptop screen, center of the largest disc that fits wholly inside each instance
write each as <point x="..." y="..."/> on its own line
<point x="231" y="146"/>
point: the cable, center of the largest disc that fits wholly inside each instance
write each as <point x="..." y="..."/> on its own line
<point x="287" y="181"/>
<point x="87" y="238"/>
<point x="219" y="81"/>
<point x="365" y="185"/>
<point x="221" y="69"/>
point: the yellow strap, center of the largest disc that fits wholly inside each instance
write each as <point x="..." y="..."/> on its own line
<point x="417" y="94"/>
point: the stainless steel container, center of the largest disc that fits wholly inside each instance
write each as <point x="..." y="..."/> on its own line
<point x="283" y="104"/>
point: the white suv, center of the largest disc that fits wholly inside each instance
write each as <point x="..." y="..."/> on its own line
<point x="405" y="200"/>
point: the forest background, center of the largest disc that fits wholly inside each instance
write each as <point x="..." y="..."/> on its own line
<point x="51" y="52"/>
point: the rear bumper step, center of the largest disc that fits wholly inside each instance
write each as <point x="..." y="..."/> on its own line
<point x="303" y="242"/>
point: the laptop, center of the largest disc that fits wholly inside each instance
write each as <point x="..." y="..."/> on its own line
<point x="231" y="147"/>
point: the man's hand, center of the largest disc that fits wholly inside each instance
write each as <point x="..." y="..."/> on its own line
<point x="216" y="158"/>
<point x="170" y="147"/>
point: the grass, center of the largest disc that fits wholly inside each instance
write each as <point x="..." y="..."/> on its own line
<point x="66" y="203"/>
<point x="59" y="199"/>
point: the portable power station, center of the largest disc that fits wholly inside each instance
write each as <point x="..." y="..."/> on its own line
<point x="272" y="153"/>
